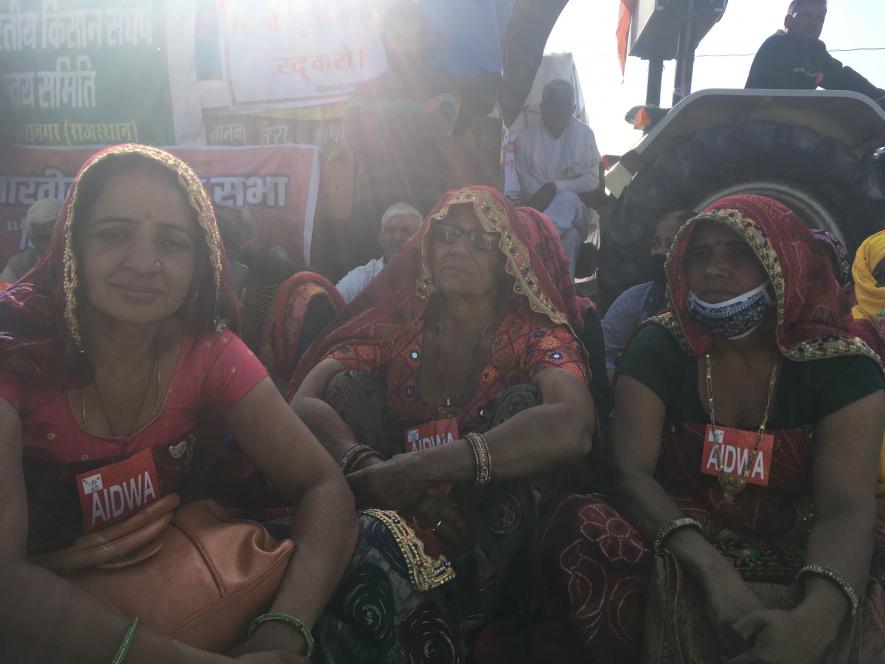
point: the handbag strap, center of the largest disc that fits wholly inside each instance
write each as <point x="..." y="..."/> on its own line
<point x="126" y="543"/>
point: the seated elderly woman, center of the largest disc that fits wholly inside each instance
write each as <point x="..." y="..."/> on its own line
<point x="464" y="385"/>
<point x="740" y="523"/>
<point x="109" y="354"/>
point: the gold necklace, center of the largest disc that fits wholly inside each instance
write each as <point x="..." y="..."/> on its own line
<point x="449" y="405"/>
<point x="733" y="484"/>
<point x="147" y="385"/>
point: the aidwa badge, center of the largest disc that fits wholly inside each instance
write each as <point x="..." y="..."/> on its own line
<point x="733" y="452"/>
<point x="115" y="492"/>
<point x="432" y="434"/>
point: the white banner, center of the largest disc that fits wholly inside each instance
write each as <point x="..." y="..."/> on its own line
<point x="301" y="51"/>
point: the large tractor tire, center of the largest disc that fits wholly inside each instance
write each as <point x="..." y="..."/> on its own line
<point x="817" y="176"/>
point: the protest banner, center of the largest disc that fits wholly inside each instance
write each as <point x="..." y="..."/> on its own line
<point x="301" y="51"/>
<point x="86" y="72"/>
<point x="277" y="185"/>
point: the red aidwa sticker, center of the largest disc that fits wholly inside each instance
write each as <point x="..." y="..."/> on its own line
<point x="115" y="492"/>
<point x="432" y="434"/>
<point x="730" y="452"/>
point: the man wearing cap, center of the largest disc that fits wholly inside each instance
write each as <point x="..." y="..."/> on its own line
<point x="37" y="227"/>
<point x="398" y="224"/>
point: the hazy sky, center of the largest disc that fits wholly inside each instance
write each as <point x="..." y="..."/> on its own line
<point x="586" y="28"/>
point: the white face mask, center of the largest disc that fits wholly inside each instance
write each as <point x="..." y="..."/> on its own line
<point x="735" y="318"/>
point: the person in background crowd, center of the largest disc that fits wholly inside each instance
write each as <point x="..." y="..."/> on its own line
<point x="869" y="317"/>
<point x="269" y="265"/>
<point x="113" y="349"/>
<point x="399" y="223"/>
<point x="238" y="232"/>
<point x="238" y="235"/>
<point x="302" y="307"/>
<point x="37" y="227"/>
<point x="557" y="161"/>
<point x="796" y="59"/>
<point x="642" y="301"/>
<point x="397" y="128"/>
<point x="869" y="290"/>
<point x="461" y="353"/>
<point x="739" y="523"/>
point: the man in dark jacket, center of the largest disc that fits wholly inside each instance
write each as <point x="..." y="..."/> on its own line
<point x="796" y="59"/>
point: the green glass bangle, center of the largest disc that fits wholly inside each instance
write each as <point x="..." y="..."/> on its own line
<point x="128" y="637"/>
<point x="290" y="620"/>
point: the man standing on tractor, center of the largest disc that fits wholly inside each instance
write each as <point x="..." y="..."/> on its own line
<point x="796" y="59"/>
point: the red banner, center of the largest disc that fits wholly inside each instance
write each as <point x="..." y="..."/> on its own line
<point x="276" y="184"/>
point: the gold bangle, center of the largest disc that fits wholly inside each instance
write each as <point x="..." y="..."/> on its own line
<point x="835" y="578"/>
<point x="482" y="457"/>
<point x="671" y="527"/>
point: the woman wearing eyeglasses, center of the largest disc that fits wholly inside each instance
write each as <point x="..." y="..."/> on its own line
<point x="449" y="396"/>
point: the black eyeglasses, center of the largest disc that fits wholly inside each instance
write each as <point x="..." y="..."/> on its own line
<point x="449" y="234"/>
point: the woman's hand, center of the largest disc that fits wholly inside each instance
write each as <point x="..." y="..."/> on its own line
<point x="728" y="602"/>
<point x="272" y="643"/>
<point x="783" y="637"/>
<point x="399" y="483"/>
<point x="273" y="657"/>
<point x="438" y="512"/>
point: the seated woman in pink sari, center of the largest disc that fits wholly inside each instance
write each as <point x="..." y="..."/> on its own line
<point x="113" y="351"/>
<point x="740" y="521"/>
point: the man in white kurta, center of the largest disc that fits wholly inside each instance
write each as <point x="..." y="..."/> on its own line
<point x="398" y="224"/>
<point x="556" y="161"/>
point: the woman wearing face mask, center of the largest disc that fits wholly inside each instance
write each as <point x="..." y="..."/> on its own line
<point x="740" y="523"/>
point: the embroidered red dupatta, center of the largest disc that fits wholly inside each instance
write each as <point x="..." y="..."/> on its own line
<point x="535" y="263"/>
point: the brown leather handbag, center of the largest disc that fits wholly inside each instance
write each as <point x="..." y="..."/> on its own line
<point x="190" y="572"/>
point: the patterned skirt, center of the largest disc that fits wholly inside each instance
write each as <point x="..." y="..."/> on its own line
<point x="624" y="604"/>
<point x="382" y="613"/>
<point x="397" y="604"/>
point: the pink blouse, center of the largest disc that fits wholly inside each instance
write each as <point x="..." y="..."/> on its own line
<point x="210" y="377"/>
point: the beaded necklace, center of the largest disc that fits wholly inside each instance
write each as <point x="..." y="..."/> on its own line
<point x="450" y="402"/>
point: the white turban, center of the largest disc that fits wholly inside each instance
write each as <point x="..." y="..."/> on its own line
<point x="400" y="210"/>
<point x="42" y="213"/>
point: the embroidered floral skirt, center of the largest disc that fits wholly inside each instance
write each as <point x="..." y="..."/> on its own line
<point x="386" y="609"/>
<point x="624" y="604"/>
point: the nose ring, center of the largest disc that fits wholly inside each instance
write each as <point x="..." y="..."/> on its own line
<point x="158" y="265"/>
